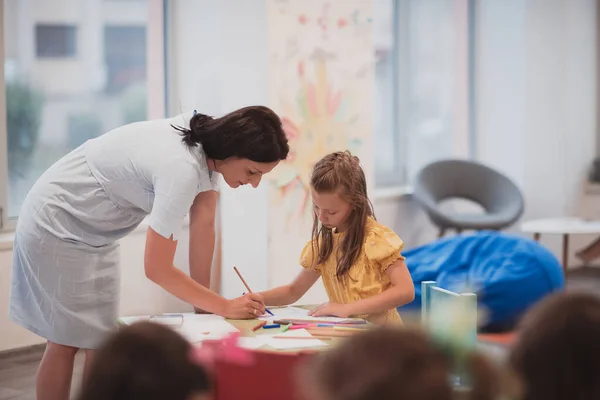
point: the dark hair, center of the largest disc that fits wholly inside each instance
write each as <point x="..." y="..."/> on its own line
<point x="391" y="363"/>
<point x="255" y="133"/>
<point x="144" y="361"/>
<point x="557" y="355"/>
<point x="341" y="171"/>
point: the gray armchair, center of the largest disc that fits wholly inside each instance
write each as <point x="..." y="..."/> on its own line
<point x="499" y="196"/>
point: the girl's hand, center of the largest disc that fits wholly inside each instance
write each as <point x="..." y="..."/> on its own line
<point x="332" y="310"/>
<point x="248" y="306"/>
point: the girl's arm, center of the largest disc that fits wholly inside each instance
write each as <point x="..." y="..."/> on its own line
<point x="401" y="292"/>
<point x="291" y="293"/>
<point x="202" y="237"/>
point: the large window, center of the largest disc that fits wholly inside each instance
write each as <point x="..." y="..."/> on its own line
<point x="422" y="85"/>
<point x="72" y="71"/>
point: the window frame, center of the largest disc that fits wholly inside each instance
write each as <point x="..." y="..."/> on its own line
<point x="157" y="85"/>
<point x="5" y="224"/>
<point x="464" y="144"/>
<point x="597" y="81"/>
<point x="398" y="176"/>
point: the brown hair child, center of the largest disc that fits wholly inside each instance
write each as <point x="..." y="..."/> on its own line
<point x="390" y="364"/>
<point x="557" y="353"/>
<point x="358" y="258"/>
<point x="145" y="361"/>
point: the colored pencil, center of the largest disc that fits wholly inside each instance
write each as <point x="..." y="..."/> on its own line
<point x="329" y="332"/>
<point x="301" y="326"/>
<point x="323" y="321"/>
<point x="347" y="328"/>
<point x="260" y="325"/>
<point x="248" y="287"/>
<point x="351" y="326"/>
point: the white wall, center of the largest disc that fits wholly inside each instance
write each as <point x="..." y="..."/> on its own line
<point x="536" y="102"/>
<point x="217" y="69"/>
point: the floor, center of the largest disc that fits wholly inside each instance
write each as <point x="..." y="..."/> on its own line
<point x="17" y="374"/>
<point x="18" y="369"/>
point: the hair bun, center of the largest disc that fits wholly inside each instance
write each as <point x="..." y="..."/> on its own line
<point x="198" y="127"/>
<point x="199" y="121"/>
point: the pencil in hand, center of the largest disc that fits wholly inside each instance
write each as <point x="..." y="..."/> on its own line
<point x="248" y="287"/>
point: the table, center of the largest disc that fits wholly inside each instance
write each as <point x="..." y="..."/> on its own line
<point x="561" y="226"/>
<point x="245" y="326"/>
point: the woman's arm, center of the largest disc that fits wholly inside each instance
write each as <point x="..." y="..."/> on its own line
<point x="402" y="291"/>
<point x="291" y="293"/>
<point x="202" y="237"/>
<point x="159" y="268"/>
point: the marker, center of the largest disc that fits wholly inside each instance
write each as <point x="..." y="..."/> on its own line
<point x="285" y="327"/>
<point x="271" y="326"/>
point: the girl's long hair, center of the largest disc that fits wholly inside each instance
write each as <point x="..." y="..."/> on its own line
<point x="341" y="173"/>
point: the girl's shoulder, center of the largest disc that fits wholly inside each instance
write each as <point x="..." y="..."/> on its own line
<point x="374" y="230"/>
<point x="380" y="241"/>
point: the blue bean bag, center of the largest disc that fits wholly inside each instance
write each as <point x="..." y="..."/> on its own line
<point x="509" y="273"/>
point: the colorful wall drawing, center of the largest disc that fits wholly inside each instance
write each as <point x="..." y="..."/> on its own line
<point x="320" y="77"/>
<point x="321" y="68"/>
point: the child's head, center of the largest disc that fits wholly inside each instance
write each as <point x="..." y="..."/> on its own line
<point x="339" y="195"/>
<point x="388" y="364"/>
<point x="557" y="354"/>
<point x="145" y="361"/>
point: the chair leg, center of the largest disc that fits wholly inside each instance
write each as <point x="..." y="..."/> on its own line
<point x="441" y="233"/>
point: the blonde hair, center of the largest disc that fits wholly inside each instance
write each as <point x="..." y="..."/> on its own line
<point x="341" y="173"/>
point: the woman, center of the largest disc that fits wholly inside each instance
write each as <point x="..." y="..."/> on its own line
<point x="65" y="282"/>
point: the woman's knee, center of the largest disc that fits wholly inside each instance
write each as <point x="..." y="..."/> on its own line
<point x="67" y="351"/>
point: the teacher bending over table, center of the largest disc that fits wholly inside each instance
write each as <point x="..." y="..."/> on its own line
<point x="65" y="281"/>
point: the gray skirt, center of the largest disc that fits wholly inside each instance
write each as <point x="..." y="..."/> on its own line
<point x="65" y="280"/>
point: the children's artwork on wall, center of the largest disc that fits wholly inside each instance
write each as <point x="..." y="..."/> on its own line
<point x="320" y="77"/>
<point x="321" y="70"/>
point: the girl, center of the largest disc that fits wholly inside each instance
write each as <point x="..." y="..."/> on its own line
<point x="557" y="355"/>
<point x="65" y="281"/>
<point x="390" y="364"/>
<point x="358" y="258"/>
<point x="145" y="361"/>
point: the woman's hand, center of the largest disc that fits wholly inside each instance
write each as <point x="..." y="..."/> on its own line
<point x="248" y="306"/>
<point x="332" y="310"/>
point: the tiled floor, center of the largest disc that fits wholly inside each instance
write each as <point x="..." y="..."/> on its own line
<point x="17" y="370"/>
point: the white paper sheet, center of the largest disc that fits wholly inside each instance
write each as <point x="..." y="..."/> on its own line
<point x="301" y="313"/>
<point x="195" y="327"/>
<point x="283" y="344"/>
<point x="250" y="343"/>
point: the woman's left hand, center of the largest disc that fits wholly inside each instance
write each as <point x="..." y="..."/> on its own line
<point x="332" y="310"/>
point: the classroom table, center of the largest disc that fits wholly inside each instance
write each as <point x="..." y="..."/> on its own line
<point x="561" y="226"/>
<point x="245" y="326"/>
